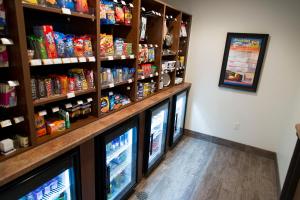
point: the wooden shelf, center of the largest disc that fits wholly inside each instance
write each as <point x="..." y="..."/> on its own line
<point x="46" y="100"/>
<point x="58" y="11"/>
<point x="61" y="61"/>
<point x="109" y="58"/>
<point x="75" y="125"/>
<point x="18" y="151"/>
<point x="103" y="87"/>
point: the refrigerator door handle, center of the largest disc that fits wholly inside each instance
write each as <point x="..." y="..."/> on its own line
<point x="175" y="123"/>
<point x="108" y="179"/>
<point x="151" y="143"/>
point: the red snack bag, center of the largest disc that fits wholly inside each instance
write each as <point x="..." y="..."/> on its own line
<point x="78" y="46"/>
<point x="82" y="6"/>
<point x="46" y="32"/>
<point x="71" y="82"/>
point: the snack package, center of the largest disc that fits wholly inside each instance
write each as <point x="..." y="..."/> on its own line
<point x="89" y="76"/>
<point x="46" y="32"/>
<point x="3" y="24"/>
<point x="129" y="48"/>
<point x="143" y="28"/>
<point x="64" y="84"/>
<point x="106" y="45"/>
<point x="117" y="102"/>
<point x="37" y="44"/>
<point x="66" y="4"/>
<point x="55" y="126"/>
<point x="87" y="46"/>
<point x="51" y="3"/>
<point x="107" y="9"/>
<point x="118" y="46"/>
<point x="78" y="46"/>
<point x="71" y="84"/>
<point x="60" y="44"/>
<point x="102" y="11"/>
<point x="48" y="86"/>
<point x="56" y="84"/>
<point x="111" y="99"/>
<point x="3" y="56"/>
<point x="31" y="1"/>
<point x="80" y="81"/>
<point x="104" y="105"/>
<point x="41" y="88"/>
<point x="119" y="14"/>
<point x="40" y="126"/>
<point x="34" y="89"/>
<point x="82" y="6"/>
<point x="127" y="15"/>
<point x="151" y="54"/>
<point x="69" y="48"/>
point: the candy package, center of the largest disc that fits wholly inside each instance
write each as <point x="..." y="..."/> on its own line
<point x="89" y="76"/>
<point x="60" y="44"/>
<point x="64" y="84"/>
<point x="55" y="126"/>
<point x="41" y="88"/>
<point x="78" y="46"/>
<point x="111" y="99"/>
<point x="87" y="46"/>
<point x="151" y="54"/>
<point x="104" y="105"/>
<point x="31" y="1"/>
<point x="119" y="14"/>
<point x="40" y="126"/>
<point x="46" y="32"/>
<point x="66" y="4"/>
<point x="48" y="86"/>
<point x="71" y="84"/>
<point x="69" y="48"/>
<point x="82" y="6"/>
<point x="34" y="89"/>
<point x="127" y="15"/>
<point x="51" y="3"/>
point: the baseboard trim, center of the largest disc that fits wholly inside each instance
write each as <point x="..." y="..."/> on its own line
<point x="228" y="143"/>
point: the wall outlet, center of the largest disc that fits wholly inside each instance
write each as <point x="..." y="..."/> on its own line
<point x="236" y="126"/>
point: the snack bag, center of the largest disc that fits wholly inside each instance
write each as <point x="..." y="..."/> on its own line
<point x="60" y="44"/>
<point x="111" y="99"/>
<point x="118" y="103"/>
<point x="41" y="88"/>
<point x="82" y="6"/>
<point x="104" y="105"/>
<point x="71" y="84"/>
<point x="34" y="90"/>
<point x="66" y="4"/>
<point x="51" y="3"/>
<point x="55" y="126"/>
<point x="64" y="84"/>
<point x="127" y="15"/>
<point x="40" y="127"/>
<point x="31" y="1"/>
<point x="46" y="32"/>
<point x="87" y="46"/>
<point x="119" y="14"/>
<point x="108" y="6"/>
<point x="69" y="48"/>
<point x="118" y="44"/>
<point x="78" y="47"/>
<point x="89" y="76"/>
<point x="151" y="54"/>
<point x="102" y="11"/>
<point x="48" y="86"/>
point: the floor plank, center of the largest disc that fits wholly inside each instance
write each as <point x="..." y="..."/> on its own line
<point x="199" y="170"/>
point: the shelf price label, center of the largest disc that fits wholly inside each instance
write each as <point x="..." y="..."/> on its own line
<point x="35" y="62"/>
<point x="110" y="58"/>
<point x="68" y="105"/>
<point x="66" y="11"/>
<point x="162" y="72"/>
<point x="131" y="56"/>
<point x="79" y="102"/>
<point x="89" y="100"/>
<point x="156" y="73"/>
<point x="123" y="3"/>
<point x="92" y="59"/>
<point x="151" y="75"/>
<point x="57" y="61"/>
<point x="18" y="119"/>
<point x="130" y="80"/>
<point x="47" y="62"/>
<point x="128" y="88"/>
<point x="111" y="85"/>
<point x="143" y="9"/>
<point x="13" y="83"/>
<point x="116" y="1"/>
<point x="142" y="77"/>
<point x="155" y="45"/>
<point x="70" y="95"/>
<point x="110" y="93"/>
<point x="131" y="5"/>
<point x="42" y="113"/>
<point x="123" y="57"/>
<point x="82" y="59"/>
<point x="66" y="60"/>
<point x="73" y="60"/>
<point x="6" y="41"/>
<point x="5" y="123"/>
<point x="55" y="109"/>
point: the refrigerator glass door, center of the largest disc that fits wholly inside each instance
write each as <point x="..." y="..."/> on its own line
<point x="179" y="115"/>
<point x="158" y="132"/>
<point x="121" y="164"/>
<point x="57" y="188"/>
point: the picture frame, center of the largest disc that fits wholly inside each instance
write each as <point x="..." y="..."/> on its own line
<point x="243" y="59"/>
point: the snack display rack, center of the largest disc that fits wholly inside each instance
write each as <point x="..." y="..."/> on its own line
<point x="24" y="70"/>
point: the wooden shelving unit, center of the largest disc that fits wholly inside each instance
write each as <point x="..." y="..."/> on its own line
<point x="21" y="17"/>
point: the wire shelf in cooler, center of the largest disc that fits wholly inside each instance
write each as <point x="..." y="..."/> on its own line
<point x="118" y="170"/>
<point x="117" y="153"/>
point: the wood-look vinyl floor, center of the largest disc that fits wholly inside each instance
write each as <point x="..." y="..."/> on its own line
<point x="199" y="170"/>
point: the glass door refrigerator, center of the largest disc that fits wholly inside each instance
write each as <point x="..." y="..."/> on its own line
<point x="155" y="135"/>
<point x="178" y="117"/>
<point x="116" y="161"/>
<point x="56" y="180"/>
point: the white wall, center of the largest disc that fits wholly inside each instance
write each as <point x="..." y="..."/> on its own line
<point x="266" y="118"/>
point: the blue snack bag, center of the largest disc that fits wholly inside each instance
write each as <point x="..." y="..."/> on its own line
<point x="66" y="4"/>
<point x="69" y="47"/>
<point x="60" y="44"/>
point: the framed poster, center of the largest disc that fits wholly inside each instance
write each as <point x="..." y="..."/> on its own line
<point x="242" y="62"/>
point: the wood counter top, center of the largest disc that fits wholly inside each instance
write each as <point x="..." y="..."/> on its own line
<point x="19" y="165"/>
<point x="298" y="130"/>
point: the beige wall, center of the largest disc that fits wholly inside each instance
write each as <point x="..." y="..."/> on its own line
<point x="266" y="118"/>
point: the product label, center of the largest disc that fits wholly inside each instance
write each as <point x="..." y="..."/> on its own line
<point x="66" y="11"/>
<point x="92" y="59"/>
<point x="74" y="60"/>
<point x="35" y="62"/>
<point x="131" y="5"/>
<point x="156" y="73"/>
<point x="131" y="56"/>
<point x="70" y="95"/>
<point x="42" y="113"/>
<point x="110" y="57"/>
<point x="89" y="100"/>
<point x="6" y="41"/>
<point x="68" y="105"/>
<point x="57" y="61"/>
<point x="143" y="9"/>
<point x="5" y="123"/>
<point x="123" y="3"/>
<point x="142" y="77"/>
<point x="82" y="59"/>
<point x="151" y="75"/>
<point x="123" y="57"/>
<point x="111" y="85"/>
<point x="13" y="83"/>
<point x="66" y="60"/>
<point x="47" y="62"/>
<point x="55" y="109"/>
<point x="79" y="102"/>
<point x="18" y="119"/>
<point x="129" y="80"/>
